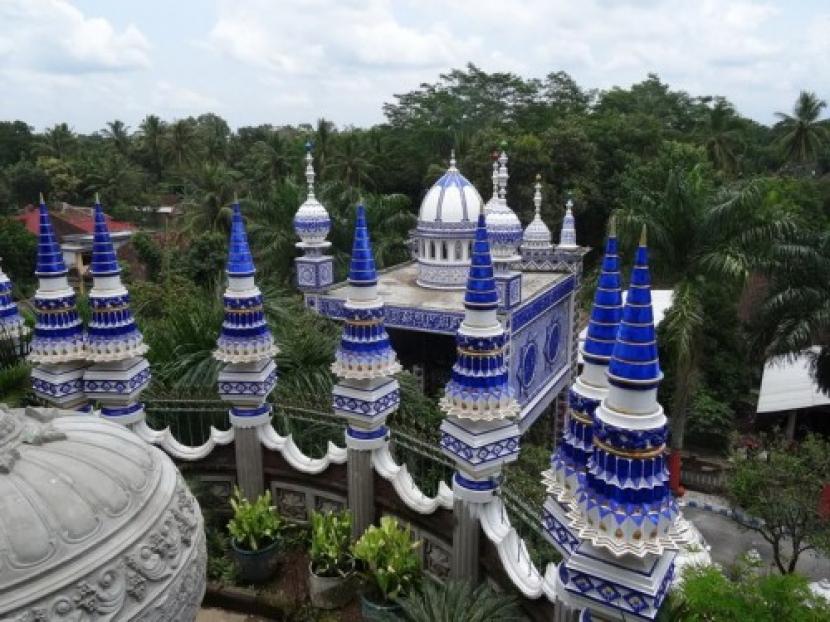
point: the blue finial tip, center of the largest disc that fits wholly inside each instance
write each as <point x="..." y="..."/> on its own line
<point x="240" y="261"/>
<point x="49" y="254"/>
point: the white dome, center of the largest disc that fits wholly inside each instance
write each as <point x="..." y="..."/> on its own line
<point x="96" y="524"/>
<point x="537" y="235"/>
<point x="452" y="199"/>
<point x="312" y="222"/>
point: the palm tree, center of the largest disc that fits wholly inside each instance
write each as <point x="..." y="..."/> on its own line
<point x="151" y="140"/>
<point x="721" y="137"/>
<point x="349" y="164"/>
<point x="698" y="236"/>
<point x="214" y="186"/>
<point x="803" y="134"/>
<point x="390" y="222"/>
<point x="322" y="144"/>
<point x="271" y="158"/>
<point x="181" y="141"/>
<point x="269" y="221"/>
<point x="118" y="133"/>
<point x="59" y="141"/>
<point x="794" y="318"/>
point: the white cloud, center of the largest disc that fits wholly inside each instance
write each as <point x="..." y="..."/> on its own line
<point x="54" y="37"/>
<point x="180" y="99"/>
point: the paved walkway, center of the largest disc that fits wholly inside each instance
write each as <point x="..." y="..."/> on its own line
<point x="220" y="615"/>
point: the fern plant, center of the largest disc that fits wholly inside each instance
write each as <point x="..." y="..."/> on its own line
<point x="330" y="537"/>
<point x="256" y="524"/>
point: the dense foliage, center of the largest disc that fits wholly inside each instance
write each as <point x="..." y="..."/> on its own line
<point x="389" y="558"/>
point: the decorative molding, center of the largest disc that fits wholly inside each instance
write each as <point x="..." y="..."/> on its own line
<point x="406" y="488"/>
<point x="294" y="456"/>
<point x="165" y="439"/>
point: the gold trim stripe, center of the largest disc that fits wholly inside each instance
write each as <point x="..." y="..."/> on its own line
<point x="636" y="455"/>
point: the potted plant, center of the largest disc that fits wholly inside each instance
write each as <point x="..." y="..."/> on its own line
<point x="391" y="567"/>
<point x="254" y="531"/>
<point x="331" y="568"/>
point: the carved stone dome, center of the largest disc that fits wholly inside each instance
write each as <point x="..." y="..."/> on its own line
<point x="94" y="524"/>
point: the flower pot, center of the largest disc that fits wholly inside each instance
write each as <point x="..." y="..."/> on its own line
<point x="377" y="612"/>
<point x="330" y="592"/>
<point x="255" y="566"/>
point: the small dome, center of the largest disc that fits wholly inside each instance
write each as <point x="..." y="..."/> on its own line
<point x="451" y="200"/>
<point x="95" y="523"/>
<point x="311" y="222"/>
<point x="537" y="235"/>
<point x="504" y="228"/>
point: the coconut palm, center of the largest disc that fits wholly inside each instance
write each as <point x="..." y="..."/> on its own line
<point x="390" y="221"/>
<point x="803" y="134"/>
<point x="271" y="159"/>
<point x="152" y="143"/>
<point x="322" y="144"/>
<point x="59" y="141"/>
<point x="181" y="141"/>
<point x="698" y="236"/>
<point x="721" y="136"/>
<point x="794" y="318"/>
<point x="213" y="188"/>
<point x="117" y="133"/>
<point x="269" y="221"/>
<point x="349" y="164"/>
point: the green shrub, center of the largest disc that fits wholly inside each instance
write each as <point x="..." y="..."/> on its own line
<point x="254" y="525"/>
<point x="330" y="537"/>
<point x="391" y="563"/>
<point x="458" y="601"/>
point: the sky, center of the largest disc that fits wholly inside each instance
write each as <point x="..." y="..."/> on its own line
<point x="87" y="62"/>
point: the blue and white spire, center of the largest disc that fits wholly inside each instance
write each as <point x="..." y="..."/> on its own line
<point x="245" y="336"/>
<point x="479" y="433"/>
<point x="12" y="325"/>
<point x="504" y="229"/>
<point x="115" y="347"/>
<point x="569" y="461"/>
<point x="537" y="236"/>
<point x="364" y="351"/>
<point x="245" y="342"/>
<point x="311" y="223"/>
<point x="625" y="504"/>
<point x="59" y="333"/>
<point x="112" y="334"/>
<point x="567" y="236"/>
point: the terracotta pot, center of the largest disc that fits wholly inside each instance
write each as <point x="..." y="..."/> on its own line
<point x="331" y="592"/>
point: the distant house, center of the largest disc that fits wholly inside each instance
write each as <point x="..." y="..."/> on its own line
<point x="74" y="227"/>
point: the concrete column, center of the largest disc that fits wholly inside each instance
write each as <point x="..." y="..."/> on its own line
<point x="465" y="544"/>
<point x="249" y="469"/>
<point x="361" y="481"/>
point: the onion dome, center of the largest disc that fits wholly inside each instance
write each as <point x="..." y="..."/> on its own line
<point x="625" y="504"/>
<point x="96" y="524"/>
<point x="452" y="203"/>
<point x="59" y="332"/>
<point x="479" y="387"/>
<point x="12" y="325"/>
<point x="504" y="229"/>
<point x="245" y="336"/>
<point x="311" y="223"/>
<point x="113" y="334"/>
<point x="537" y="236"/>
<point x="567" y="237"/>
<point x="364" y="351"/>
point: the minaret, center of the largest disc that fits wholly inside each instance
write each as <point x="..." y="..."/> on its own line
<point x="58" y="346"/>
<point x="569" y="462"/>
<point x="567" y="236"/>
<point x="537" y="248"/>
<point x="624" y="513"/>
<point x="315" y="269"/>
<point x="246" y="347"/>
<point x="504" y="231"/>
<point x="12" y="325"/>
<point x="479" y="432"/>
<point x="365" y="363"/>
<point x="115" y="347"/>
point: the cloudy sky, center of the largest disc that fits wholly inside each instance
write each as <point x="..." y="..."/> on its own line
<point x="291" y="61"/>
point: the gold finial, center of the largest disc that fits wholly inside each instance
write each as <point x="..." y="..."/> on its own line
<point x="643" y="236"/>
<point x="612" y="226"/>
<point x="42" y="202"/>
<point x="97" y="199"/>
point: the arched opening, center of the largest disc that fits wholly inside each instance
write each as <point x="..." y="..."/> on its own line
<point x="432" y="249"/>
<point x="444" y="252"/>
<point x="459" y="252"/>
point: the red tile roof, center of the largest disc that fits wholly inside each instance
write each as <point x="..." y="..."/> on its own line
<point x="70" y="220"/>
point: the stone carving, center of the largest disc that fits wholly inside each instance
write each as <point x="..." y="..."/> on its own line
<point x="130" y="543"/>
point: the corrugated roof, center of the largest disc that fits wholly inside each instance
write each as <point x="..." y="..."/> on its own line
<point x="787" y="385"/>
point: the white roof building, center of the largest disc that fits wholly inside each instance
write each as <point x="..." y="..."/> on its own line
<point x="787" y="385"/>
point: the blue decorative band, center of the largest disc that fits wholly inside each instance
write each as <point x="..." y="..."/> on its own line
<point x="480" y="485"/>
<point x="371" y="435"/>
<point x="250" y="412"/>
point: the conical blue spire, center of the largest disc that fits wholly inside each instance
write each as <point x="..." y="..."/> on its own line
<point x="240" y="262"/>
<point x="481" y="294"/>
<point x="362" y="271"/>
<point x="104" y="261"/>
<point x="11" y="323"/>
<point x="606" y="311"/>
<point x="49" y="255"/>
<point x="634" y="362"/>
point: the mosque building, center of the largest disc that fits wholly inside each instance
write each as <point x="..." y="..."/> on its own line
<point x="536" y="280"/>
